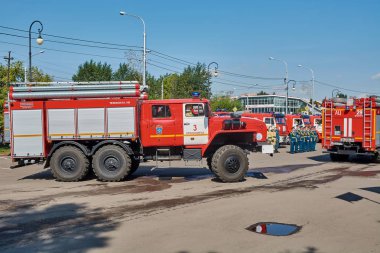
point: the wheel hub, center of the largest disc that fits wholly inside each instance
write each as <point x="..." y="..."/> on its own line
<point x="68" y="164"/>
<point x="232" y="164"/>
<point x="111" y="163"/>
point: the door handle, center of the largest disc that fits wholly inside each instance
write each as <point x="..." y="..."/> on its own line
<point x="186" y="124"/>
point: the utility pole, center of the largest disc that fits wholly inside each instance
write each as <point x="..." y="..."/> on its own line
<point x="9" y="59"/>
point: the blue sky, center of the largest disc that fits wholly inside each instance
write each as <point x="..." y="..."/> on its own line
<point x="338" y="39"/>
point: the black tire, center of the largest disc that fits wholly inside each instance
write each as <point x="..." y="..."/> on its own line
<point x="376" y="158"/>
<point x="135" y="164"/>
<point x="69" y="164"/>
<point x="111" y="163"/>
<point x="338" y="157"/>
<point x="230" y="163"/>
<point x="209" y="162"/>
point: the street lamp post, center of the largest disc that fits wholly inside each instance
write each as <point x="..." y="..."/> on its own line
<point x="312" y="81"/>
<point x="123" y="13"/>
<point x="287" y="92"/>
<point x="214" y="74"/>
<point x="285" y="79"/>
<point x="25" y="70"/>
<point x="39" y="42"/>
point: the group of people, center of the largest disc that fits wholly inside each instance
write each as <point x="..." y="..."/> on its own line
<point x="303" y="139"/>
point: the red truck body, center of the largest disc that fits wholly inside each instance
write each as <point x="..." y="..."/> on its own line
<point x="271" y="119"/>
<point x="350" y="127"/>
<point x="48" y="121"/>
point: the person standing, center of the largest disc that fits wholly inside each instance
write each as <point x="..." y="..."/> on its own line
<point x="293" y="141"/>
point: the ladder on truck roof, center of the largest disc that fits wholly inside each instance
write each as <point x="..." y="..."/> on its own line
<point x="327" y="118"/>
<point x="367" y="123"/>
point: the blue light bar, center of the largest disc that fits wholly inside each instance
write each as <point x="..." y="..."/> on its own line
<point x="196" y="94"/>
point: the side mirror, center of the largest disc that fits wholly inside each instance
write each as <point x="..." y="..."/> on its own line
<point x="207" y="111"/>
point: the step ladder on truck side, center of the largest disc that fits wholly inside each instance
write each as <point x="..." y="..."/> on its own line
<point x="367" y="123"/>
<point x="327" y="120"/>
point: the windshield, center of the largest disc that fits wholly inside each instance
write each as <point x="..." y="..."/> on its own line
<point x="306" y="121"/>
<point x="298" y="122"/>
<point x="280" y="120"/>
<point x="269" y="121"/>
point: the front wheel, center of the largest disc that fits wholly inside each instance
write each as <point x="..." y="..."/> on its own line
<point x="111" y="163"/>
<point x="230" y="163"/>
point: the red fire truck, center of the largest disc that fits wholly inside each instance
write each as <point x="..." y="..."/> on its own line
<point x="349" y="127"/>
<point x="293" y="120"/>
<point x="111" y="126"/>
<point x="271" y="119"/>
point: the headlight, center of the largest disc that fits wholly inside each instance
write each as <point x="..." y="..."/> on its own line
<point x="259" y="136"/>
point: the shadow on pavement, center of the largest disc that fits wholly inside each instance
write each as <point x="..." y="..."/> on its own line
<point x="45" y="174"/>
<point x="58" y="228"/>
<point x="307" y="250"/>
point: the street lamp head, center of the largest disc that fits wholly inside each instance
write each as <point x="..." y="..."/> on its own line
<point x="294" y="87"/>
<point x="39" y="40"/>
<point x="271" y="58"/>
<point x="300" y="66"/>
<point x="216" y="73"/>
<point x="122" y="13"/>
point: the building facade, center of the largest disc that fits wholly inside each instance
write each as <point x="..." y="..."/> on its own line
<point x="273" y="103"/>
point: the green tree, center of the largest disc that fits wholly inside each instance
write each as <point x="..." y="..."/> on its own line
<point x="225" y="103"/>
<point x="193" y="78"/>
<point x="16" y="74"/>
<point x="126" y="73"/>
<point x="92" y="71"/>
<point x="262" y="93"/>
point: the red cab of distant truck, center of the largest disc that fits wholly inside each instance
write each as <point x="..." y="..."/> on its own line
<point x="271" y="120"/>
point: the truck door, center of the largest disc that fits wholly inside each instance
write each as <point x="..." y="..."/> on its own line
<point x="195" y="124"/>
<point x="159" y="125"/>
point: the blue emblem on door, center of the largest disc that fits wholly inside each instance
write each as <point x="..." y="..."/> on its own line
<point x="158" y="129"/>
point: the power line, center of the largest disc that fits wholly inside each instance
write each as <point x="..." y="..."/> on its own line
<point x="65" y="51"/>
<point x="71" y="38"/>
<point x="70" y="43"/>
<point x="171" y="57"/>
<point x="165" y="68"/>
<point x="338" y="87"/>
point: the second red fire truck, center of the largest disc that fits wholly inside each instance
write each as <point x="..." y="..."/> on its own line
<point x="111" y="127"/>
<point x="272" y="120"/>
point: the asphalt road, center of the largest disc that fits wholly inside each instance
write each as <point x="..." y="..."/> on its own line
<point x="184" y="209"/>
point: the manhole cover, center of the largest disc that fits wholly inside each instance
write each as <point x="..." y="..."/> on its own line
<point x="274" y="228"/>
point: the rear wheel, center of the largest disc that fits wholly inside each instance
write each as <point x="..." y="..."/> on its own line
<point x="111" y="163"/>
<point x="69" y="164"/>
<point x="230" y="163"/>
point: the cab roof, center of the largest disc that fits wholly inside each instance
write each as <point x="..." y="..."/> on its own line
<point x="176" y="101"/>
